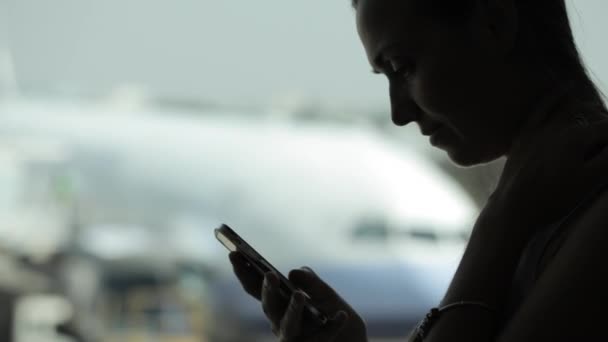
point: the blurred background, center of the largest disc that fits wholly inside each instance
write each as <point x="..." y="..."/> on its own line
<point x="129" y="130"/>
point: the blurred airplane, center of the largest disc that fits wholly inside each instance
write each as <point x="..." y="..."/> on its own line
<point x="375" y="218"/>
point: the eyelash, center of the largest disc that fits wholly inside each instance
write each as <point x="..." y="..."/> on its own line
<point x="405" y="71"/>
<point x="391" y="72"/>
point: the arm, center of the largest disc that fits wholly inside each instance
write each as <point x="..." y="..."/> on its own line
<point x="484" y="275"/>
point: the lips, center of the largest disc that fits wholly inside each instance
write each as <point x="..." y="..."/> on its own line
<point x="430" y="131"/>
<point x="437" y="138"/>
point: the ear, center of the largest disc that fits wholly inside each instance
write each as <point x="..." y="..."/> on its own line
<point x="501" y="21"/>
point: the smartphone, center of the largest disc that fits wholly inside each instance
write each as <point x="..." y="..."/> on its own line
<point x="312" y="317"/>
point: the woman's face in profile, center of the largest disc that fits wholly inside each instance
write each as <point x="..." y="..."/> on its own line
<point x="446" y="77"/>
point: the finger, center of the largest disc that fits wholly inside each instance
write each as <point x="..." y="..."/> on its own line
<point x="250" y="279"/>
<point x="321" y="294"/>
<point x="291" y="324"/>
<point x="334" y="327"/>
<point x="273" y="303"/>
<point x="311" y="283"/>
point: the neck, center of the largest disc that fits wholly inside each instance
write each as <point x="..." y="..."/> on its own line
<point x="544" y="112"/>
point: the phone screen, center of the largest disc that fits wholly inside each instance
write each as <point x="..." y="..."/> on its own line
<point x="234" y="243"/>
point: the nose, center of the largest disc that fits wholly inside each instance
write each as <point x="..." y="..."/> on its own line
<point x="403" y="108"/>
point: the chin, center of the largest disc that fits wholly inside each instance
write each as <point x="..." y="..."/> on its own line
<point x="469" y="158"/>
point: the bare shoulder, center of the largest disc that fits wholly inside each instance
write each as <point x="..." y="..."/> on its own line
<point x="569" y="299"/>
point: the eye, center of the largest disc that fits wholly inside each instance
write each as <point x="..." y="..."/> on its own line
<point x="403" y="69"/>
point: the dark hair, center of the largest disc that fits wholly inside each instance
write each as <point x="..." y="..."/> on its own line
<point x="545" y="40"/>
<point x="545" y="37"/>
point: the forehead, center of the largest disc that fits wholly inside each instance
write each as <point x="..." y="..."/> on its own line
<point x="381" y="23"/>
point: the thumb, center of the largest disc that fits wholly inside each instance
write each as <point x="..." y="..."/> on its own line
<point x="319" y="291"/>
<point x="310" y="282"/>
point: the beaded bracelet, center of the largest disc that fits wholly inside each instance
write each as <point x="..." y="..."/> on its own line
<point x="423" y="329"/>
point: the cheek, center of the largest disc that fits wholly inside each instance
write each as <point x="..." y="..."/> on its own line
<point x="436" y="89"/>
<point x="453" y="89"/>
<point x="441" y="89"/>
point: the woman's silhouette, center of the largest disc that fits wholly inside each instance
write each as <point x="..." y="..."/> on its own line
<point x="485" y="79"/>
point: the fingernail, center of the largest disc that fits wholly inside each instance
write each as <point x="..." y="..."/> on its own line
<point x="267" y="281"/>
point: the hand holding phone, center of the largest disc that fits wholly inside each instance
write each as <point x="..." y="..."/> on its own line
<point x="259" y="268"/>
<point x="290" y="319"/>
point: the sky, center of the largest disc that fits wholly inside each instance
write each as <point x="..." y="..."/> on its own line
<point x="229" y="52"/>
